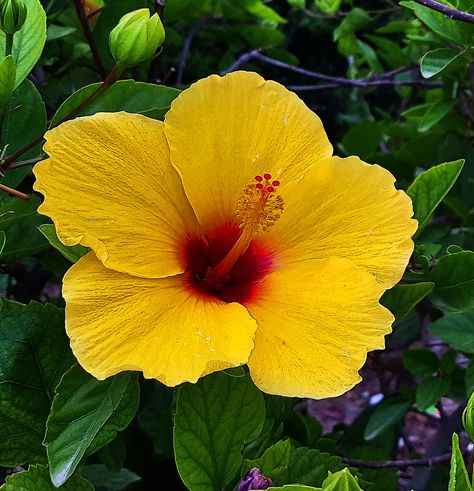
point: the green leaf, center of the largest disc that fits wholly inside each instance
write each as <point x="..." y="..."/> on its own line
<point x="104" y="479"/>
<point x="328" y="6"/>
<point x="454" y="279"/>
<point x="273" y="463"/>
<point x="457" y="330"/>
<point x="298" y="4"/>
<point x="72" y="253"/>
<point x="436" y="61"/>
<point x="430" y="187"/>
<point x="7" y="80"/>
<point x="341" y="481"/>
<point x="37" y="478"/>
<point x="458" y="476"/>
<point x="363" y="139"/>
<point x="421" y="362"/>
<point x="402" y="299"/>
<point x="470" y="377"/>
<point x="356" y="19"/>
<point x="24" y="120"/>
<point x="294" y="487"/>
<point x="86" y="414"/>
<point x="34" y="353"/>
<point x="386" y="414"/>
<point x="430" y="391"/>
<point x="435" y="113"/>
<point x="28" y="42"/>
<point x="214" y="419"/>
<point x="259" y="9"/>
<point x="124" y="95"/>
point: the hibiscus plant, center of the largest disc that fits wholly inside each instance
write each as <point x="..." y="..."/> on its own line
<point x="236" y="245"/>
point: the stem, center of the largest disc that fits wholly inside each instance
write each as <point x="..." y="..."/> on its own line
<point x="448" y="11"/>
<point x="8" y="44"/>
<point x="14" y="192"/>
<point x="90" y="39"/>
<point x="111" y="78"/>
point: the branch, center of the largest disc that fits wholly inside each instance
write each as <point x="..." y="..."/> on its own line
<point x="384" y="79"/>
<point x="399" y="464"/>
<point x="448" y="11"/>
<point x="90" y="39"/>
<point x="14" y="192"/>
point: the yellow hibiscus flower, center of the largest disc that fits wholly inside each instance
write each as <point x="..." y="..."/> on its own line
<point x="226" y="235"/>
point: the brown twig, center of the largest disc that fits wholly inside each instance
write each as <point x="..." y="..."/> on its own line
<point x="90" y="39"/>
<point x="448" y="11"/>
<point x="399" y="464"/>
<point x="14" y="192"/>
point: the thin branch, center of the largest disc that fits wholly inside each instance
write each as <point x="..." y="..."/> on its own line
<point x="399" y="464"/>
<point x="90" y="39"/>
<point x="383" y="79"/>
<point x="14" y="192"/>
<point x="448" y="11"/>
<point x="23" y="163"/>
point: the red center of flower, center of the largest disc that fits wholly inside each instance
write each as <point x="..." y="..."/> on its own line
<point x="229" y="262"/>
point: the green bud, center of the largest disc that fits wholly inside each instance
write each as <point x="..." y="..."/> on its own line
<point x="468" y="417"/>
<point x="12" y="16"/>
<point x="136" y="38"/>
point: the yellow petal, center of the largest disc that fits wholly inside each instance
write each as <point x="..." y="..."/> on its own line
<point x="347" y="208"/>
<point x="109" y="185"/>
<point x="118" y="322"/>
<point x="316" y="322"/>
<point x="222" y="131"/>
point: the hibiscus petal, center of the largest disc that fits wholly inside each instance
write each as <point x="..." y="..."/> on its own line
<point x="118" y="322"/>
<point x="316" y="322"/>
<point x="347" y="208"/>
<point x="109" y="185"/>
<point x="222" y="131"/>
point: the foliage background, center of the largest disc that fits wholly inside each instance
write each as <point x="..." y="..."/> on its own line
<point x="393" y="83"/>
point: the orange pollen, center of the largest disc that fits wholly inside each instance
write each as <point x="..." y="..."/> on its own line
<point x="258" y="208"/>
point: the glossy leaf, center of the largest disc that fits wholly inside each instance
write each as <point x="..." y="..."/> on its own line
<point x="435" y="113"/>
<point x="36" y="478"/>
<point x="86" y="414"/>
<point x="28" y="42"/>
<point x="213" y="420"/>
<point x="7" y="80"/>
<point x="430" y="187"/>
<point x="457" y="330"/>
<point x="430" y="391"/>
<point x="386" y="414"/>
<point x="436" y="61"/>
<point x="34" y="353"/>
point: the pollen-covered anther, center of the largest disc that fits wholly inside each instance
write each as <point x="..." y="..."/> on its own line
<point x="259" y="207"/>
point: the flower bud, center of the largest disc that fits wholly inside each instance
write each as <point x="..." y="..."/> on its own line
<point x="136" y="38"/>
<point x="468" y="417"/>
<point x="12" y="16"/>
<point x="254" y="479"/>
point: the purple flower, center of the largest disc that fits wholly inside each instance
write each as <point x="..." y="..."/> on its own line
<point x="254" y="479"/>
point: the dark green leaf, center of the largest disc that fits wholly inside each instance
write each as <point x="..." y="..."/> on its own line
<point x="36" y="478"/>
<point x="385" y="415"/>
<point x="124" y="95"/>
<point x="72" y="253"/>
<point x="470" y="377"/>
<point x="86" y="414"/>
<point x="421" y="362"/>
<point x="435" y="113"/>
<point x="213" y="420"/>
<point x="454" y="280"/>
<point x="356" y="19"/>
<point x="429" y="189"/>
<point x="104" y="479"/>
<point x="401" y="299"/>
<point x="33" y="356"/>
<point x="457" y="330"/>
<point x="430" y="391"/>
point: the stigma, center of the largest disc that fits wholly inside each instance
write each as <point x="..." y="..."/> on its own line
<point x="258" y="208"/>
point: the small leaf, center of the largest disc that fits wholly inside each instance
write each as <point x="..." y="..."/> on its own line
<point x="401" y="299"/>
<point x="430" y="391"/>
<point x="72" y="253"/>
<point x="214" y="419"/>
<point x="421" y="362"/>
<point x="105" y="479"/>
<point x="386" y="414"/>
<point x="430" y="187"/>
<point x="298" y="4"/>
<point x="34" y="353"/>
<point x="341" y="481"/>
<point x="86" y="414"/>
<point x="436" y="61"/>
<point x="457" y="330"/>
<point x="454" y="280"/>
<point x="356" y="19"/>
<point x="37" y="478"/>
<point x="435" y="113"/>
<point x="273" y="463"/>
<point x="458" y="476"/>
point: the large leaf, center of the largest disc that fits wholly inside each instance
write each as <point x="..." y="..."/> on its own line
<point x="36" y="478"/>
<point x="457" y="330"/>
<point x="125" y="95"/>
<point x="385" y="415"/>
<point x="454" y="280"/>
<point x="401" y="299"/>
<point x="430" y="187"/>
<point x="86" y="413"/>
<point x="458" y="476"/>
<point x="28" y="42"/>
<point x="213" y="420"/>
<point x="34" y="353"/>
<point x="24" y="120"/>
